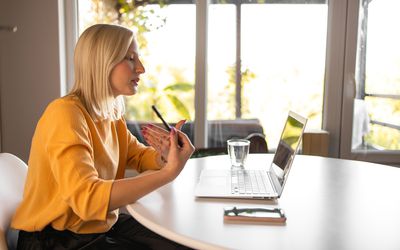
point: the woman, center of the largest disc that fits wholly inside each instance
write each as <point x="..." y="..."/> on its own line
<point x="81" y="148"/>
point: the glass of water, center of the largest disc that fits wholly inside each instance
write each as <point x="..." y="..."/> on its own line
<point x="238" y="149"/>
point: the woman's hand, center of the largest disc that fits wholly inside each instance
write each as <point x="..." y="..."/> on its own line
<point x="129" y="190"/>
<point x="178" y="154"/>
<point x="158" y="138"/>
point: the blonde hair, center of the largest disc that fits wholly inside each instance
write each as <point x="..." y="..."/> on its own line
<point x="99" y="49"/>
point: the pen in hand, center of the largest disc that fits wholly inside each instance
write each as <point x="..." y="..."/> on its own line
<point x="166" y="125"/>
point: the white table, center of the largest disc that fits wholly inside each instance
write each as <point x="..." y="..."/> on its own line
<point x="329" y="204"/>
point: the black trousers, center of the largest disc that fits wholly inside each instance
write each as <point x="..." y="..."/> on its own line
<point x="127" y="233"/>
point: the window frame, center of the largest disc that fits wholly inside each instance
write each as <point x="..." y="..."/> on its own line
<point x="68" y="23"/>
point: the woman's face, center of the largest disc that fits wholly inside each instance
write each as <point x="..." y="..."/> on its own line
<point x="126" y="74"/>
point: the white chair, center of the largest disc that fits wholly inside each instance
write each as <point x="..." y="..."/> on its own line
<point x="12" y="180"/>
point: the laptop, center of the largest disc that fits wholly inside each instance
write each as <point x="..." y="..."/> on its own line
<point x="265" y="183"/>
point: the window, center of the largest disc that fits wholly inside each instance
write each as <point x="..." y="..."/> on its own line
<point x="376" y="123"/>
<point x="166" y="38"/>
<point x="265" y="58"/>
<point x="263" y="44"/>
<point x="370" y="130"/>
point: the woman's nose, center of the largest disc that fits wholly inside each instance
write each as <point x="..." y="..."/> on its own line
<point x="140" y="68"/>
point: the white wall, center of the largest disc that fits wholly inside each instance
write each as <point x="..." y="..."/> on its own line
<point x="29" y="70"/>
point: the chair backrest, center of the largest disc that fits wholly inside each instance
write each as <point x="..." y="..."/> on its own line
<point x="12" y="180"/>
<point x="202" y="152"/>
<point x="258" y="144"/>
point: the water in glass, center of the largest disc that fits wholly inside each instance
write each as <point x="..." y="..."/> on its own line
<point x="238" y="149"/>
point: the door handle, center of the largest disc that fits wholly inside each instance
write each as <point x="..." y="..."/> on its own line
<point x="8" y="28"/>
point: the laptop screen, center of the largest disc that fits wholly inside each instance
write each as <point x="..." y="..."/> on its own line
<point x="288" y="146"/>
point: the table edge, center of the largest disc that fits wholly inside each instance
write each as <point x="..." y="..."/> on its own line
<point x="179" y="238"/>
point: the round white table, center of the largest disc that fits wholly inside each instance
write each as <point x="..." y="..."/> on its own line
<point x="329" y="204"/>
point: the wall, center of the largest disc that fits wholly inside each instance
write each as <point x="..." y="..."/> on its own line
<point x="29" y="70"/>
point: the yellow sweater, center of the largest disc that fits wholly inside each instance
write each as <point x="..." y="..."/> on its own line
<point x="73" y="163"/>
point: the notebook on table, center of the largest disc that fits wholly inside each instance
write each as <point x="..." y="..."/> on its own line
<point x="267" y="183"/>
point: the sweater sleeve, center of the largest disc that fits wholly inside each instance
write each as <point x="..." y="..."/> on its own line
<point x="70" y="151"/>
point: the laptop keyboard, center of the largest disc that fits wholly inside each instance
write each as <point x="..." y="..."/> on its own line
<point x="249" y="182"/>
